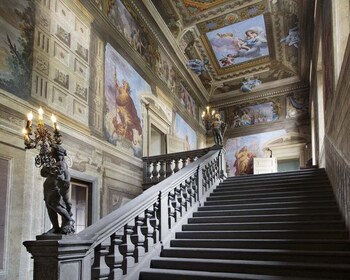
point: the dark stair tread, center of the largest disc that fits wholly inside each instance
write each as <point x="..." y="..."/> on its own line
<point x="267" y="188"/>
<point x="278" y="198"/>
<point x="345" y="267"/>
<point x="204" y="210"/>
<point x="339" y="224"/>
<point x="278" y="193"/>
<point x="177" y="274"/>
<point x="227" y="204"/>
<point x="262" y="251"/>
<point x="265" y="234"/>
<point x="284" y="244"/>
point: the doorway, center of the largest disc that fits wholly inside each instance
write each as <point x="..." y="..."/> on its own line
<point x="158" y="142"/>
<point x="81" y="194"/>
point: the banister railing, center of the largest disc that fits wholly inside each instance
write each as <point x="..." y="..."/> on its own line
<point x="158" y="168"/>
<point x="119" y="244"/>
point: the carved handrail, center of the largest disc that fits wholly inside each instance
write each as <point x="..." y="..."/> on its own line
<point x="115" y="246"/>
<point x="157" y="168"/>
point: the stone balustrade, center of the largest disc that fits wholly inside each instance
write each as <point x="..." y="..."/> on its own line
<point x="121" y="244"/>
<point x="158" y="168"/>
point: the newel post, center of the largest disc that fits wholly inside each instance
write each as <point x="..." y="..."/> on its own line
<point x="200" y="182"/>
<point x="60" y="259"/>
<point x="222" y="163"/>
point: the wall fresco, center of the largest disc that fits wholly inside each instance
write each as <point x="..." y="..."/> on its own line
<point x="186" y="136"/>
<point x="16" y="46"/>
<point x="250" y="115"/>
<point x="187" y="100"/>
<point x="123" y="90"/>
<point x="240" y="151"/>
<point x="130" y="27"/>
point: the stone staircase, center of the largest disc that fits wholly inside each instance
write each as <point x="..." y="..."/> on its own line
<point x="270" y="226"/>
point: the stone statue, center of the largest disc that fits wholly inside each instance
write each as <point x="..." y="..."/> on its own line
<point x="219" y="129"/>
<point x="56" y="192"/>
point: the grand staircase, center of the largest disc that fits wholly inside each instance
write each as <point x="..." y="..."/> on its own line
<point x="274" y="226"/>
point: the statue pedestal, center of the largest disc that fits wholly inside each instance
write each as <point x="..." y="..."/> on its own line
<point x="59" y="257"/>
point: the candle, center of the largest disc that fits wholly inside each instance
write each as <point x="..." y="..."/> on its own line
<point x="54" y="121"/>
<point x="30" y="116"/>
<point x="26" y="137"/>
<point x="40" y="118"/>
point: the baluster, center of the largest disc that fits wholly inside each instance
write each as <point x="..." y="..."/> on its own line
<point x="138" y="239"/>
<point x="189" y="191"/>
<point x="155" y="221"/>
<point x="204" y="172"/>
<point x="184" y="195"/>
<point x="99" y="269"/>
<point x="148" y="172"/>
<point x="155" y="172"/>
<point x="127" y="248"/>
<point x="177" y="161"/>
<point x="195" y="189"/>
<point x="147" y="230"/>
<point x="169" y="170"/>
<point x="115" y="259"/>
<point x="162" y="170"/>
<point x="179" y="199"/>
<point x="172" y="208"/>
<point x="184" y="162"/>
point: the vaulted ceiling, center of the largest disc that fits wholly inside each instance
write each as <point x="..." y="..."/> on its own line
<point x="260" y="43"/>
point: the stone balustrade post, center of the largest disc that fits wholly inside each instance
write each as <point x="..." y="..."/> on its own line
<point x="60" y="259"/>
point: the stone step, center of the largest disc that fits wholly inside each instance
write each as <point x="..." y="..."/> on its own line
<point x="263" y="234"/>
<point x="227" y="205"/>
<point x="311" y="197"/>
<point x="282" y="244"/>
<point x="267" y="218"/>
<point x="337" y="257"/>
<point x="288" y="182"/>
<point x="266" y="225"/>
<point x="204" y="212"/>
<point x="268" y="188"/>
<point x="289" y="174"/>
<point x="176" y="274"/>
<point x="252" y="180"/>
<point x="277" y="268"/>
<point x="272" y="194"/>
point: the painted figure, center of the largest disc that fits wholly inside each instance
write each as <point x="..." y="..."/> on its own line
<point x="293" y="37"/>
<point x="56" y="192"/>
<point x="244" y="162"/>
<point x="249" y="84"/>
<point x="219" y="128"/>
<point x="126" y="121"/>
<point x="197" y="65"/>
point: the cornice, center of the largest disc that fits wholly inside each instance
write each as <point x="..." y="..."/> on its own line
<point x="260" y="95"/>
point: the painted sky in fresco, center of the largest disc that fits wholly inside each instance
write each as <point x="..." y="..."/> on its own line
<point x="232" y="40"/>
<point x="182" y="129"/>
<point x="9" y="26"/>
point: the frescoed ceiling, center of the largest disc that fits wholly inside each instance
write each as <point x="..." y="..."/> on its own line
<point x="238" y="41"/>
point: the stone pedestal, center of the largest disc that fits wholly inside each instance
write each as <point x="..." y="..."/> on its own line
<point x="59" y="257"/>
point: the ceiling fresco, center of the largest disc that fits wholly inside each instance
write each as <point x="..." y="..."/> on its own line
<point x="230" y="44"/>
